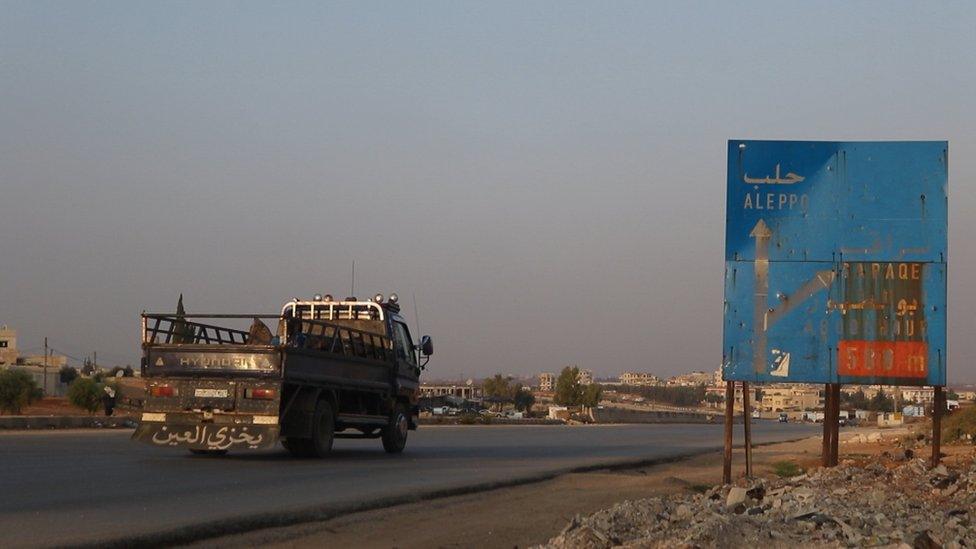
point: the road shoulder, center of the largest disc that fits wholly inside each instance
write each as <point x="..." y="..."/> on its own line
<point x="516" y="516"/>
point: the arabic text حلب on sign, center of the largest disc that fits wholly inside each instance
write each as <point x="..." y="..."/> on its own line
<point x="774" y="201"/>
<point x="790" y="179"/>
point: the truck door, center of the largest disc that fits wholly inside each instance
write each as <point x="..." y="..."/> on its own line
<point x="406" y="355"/>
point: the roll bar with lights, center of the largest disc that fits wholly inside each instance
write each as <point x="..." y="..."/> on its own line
<point x="326" y="309"/>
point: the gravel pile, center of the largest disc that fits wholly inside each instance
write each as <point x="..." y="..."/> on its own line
<point x="896" y="502"/>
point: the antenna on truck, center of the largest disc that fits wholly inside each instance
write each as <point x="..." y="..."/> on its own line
<point x="416" y="316"/>
<point x="353" y="292"/>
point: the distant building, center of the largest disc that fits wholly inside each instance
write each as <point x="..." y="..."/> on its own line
<point x="921" y="395"/>
<point x="48" y="379"/>
<point x="790" y="397"/>
<point x="719" y="391"/>
<point x="890" y="419"/>
<point x="694" y="378"/>
<point x="585" y="376"/>
<point x="8" y="345"/>
<point x="53" y="361"/>
<point x="638" y="378"/>
<point x="469" y="392"/>
<point x="547" y="382"/>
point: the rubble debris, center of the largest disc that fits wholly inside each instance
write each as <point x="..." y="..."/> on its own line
<point x="895" y="501"/>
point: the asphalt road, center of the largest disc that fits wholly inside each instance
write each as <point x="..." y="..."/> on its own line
<point x="81" y="487"/>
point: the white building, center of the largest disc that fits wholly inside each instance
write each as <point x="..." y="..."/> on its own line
<point x="638" y="378"/>
<point x="8" y="345"/>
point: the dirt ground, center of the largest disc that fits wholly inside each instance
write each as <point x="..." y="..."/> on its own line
<point x="52" y="406"/>
<point x="526" y="515"/>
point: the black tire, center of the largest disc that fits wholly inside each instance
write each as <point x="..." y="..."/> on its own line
<point x="395" y="433"/>
<point x="298" y="447"/>
<point x="203" y="452"/>
<point x="323" y="430"/>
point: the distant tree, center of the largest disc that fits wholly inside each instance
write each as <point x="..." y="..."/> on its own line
<point x="675" y="396"/>
<point x="712" y="398"/>
<point x="591" y="395"/>
<point x="85" y="393"/>
<point x="498" y="387"/>
<point x="952" y="395"/>
<point x="857" y="400"/>
<point x="129" y="372"/>
<point x="881" y="402"/>
<point x="569" y="391"/>
<point x="524" y="400"/>
<point x="17" y="389"/>
<point x="67" y="374"/>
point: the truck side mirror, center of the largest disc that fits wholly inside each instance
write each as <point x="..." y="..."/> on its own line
<point x="426" y="346"/>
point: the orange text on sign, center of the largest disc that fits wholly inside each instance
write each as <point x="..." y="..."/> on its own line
<point x="882" y="359"/>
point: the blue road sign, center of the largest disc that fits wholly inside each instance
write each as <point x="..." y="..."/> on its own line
<point x="835" y="262"/>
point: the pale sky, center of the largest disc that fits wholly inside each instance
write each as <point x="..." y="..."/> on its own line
<point x="547" y="177"/>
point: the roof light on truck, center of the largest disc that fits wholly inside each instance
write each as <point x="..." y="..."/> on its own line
<point x="394" y="298"/>
<point x="265" y="394"/>
<point x="378" y="298"/>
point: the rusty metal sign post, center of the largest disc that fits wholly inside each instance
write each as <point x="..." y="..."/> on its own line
<point x="835" y="270"/>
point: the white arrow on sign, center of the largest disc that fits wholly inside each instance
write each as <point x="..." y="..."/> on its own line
<point x="762" y="235"/>
<point x="763" y="317"/>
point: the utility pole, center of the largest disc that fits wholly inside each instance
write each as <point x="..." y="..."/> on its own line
<point x="45" y="365"/>
<point x="94" y="361"/>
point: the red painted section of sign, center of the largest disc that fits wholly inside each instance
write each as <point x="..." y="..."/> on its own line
<point x="882" y="359"/>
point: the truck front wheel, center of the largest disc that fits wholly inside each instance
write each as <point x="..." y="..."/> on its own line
<point x="395" y="433"/>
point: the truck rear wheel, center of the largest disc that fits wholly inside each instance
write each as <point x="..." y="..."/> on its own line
<point x="323" y="432"/>
<point x="323" y="429"/>
<point x="395" y="433"/>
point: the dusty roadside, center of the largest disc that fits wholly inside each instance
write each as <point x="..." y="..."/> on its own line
<point x="530" y="514"/>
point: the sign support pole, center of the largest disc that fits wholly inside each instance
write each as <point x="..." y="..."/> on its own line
<point x="729" y="410"/>
<point x="825" y="447"/>
<point x="938" y="408"/>
<point x="835" y="425"/>
<point x="747" y="426"/>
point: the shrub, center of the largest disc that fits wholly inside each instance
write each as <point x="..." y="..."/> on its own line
<point x="591" y="395"/>
<point x="68" y="374"/>
<point x="468" y="418"/>
<point x="524" y="400"/>
<point x="786" y="469"/>
<point x="675" y="396"/>
<point x="17" y="389"/>
<point x="85" y="393"/>
<point x="961" y="425"/>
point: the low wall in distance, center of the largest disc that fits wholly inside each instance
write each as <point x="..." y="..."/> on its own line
<point x="35" y="423"/>
<point x="609" y="414"/>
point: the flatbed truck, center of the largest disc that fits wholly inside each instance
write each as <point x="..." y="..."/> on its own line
<point x="330" y="369"/>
